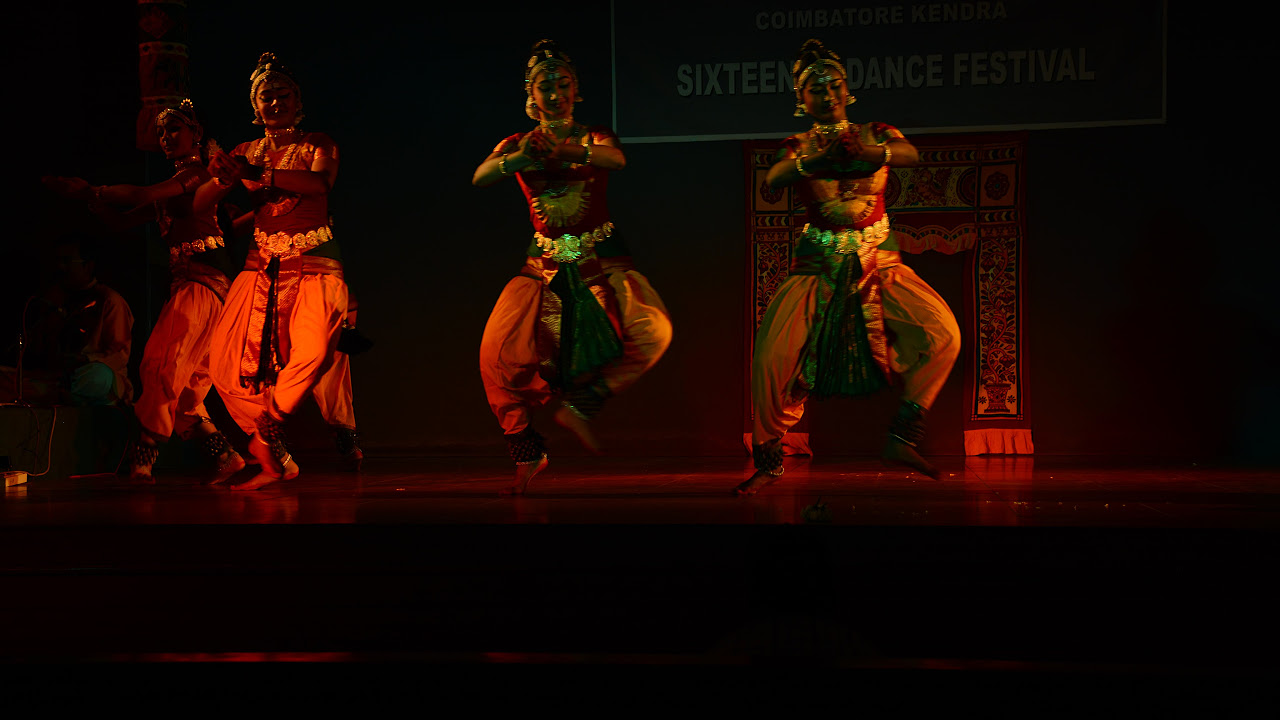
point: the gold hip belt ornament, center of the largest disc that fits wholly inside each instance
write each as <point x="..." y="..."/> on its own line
<point x="847" y="242"/>
<point x="286" y="245"/>
<point x="570" y="248"/>
<point x="191" y="247"/>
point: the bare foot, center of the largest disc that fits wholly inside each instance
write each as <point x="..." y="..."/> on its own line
<point x="900" y="453"/>
<point x="142" y="457"/>
<point x="234" y="465"/>
<point x="753" y="484"/>
<point x="351" y="461"/>
<point x="579" y="426"/>
<point x="348" y="444"/>
<point x="524" y="473"/>
<point x="265" y="478"/>
<point x="273" y="468"/>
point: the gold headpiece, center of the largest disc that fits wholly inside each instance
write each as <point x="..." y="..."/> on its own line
<point x="823" y="63"/>
<point x="186" y="112"/>
<point x="822" y="68"/>
<point x="550" y="60"/>
<point x="271" y="72"/>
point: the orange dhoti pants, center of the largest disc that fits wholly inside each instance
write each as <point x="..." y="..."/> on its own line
<point x="333" y="390"/>
<point x="926" y="343"/>
<point x="513" y="360"/>
<point x="175" y="362"/>
<point x="308" y="329"/>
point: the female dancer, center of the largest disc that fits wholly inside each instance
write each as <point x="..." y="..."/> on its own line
<point x="285" y="310"/>
<point x="826" y="330"/>
<point x="578" y="318"/>
<point x="175" y="362"/>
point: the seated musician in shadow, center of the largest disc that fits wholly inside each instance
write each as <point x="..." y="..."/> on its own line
<point x="77" y="337"/>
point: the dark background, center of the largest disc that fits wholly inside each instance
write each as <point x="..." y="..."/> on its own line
<point x="1150" y="308"/>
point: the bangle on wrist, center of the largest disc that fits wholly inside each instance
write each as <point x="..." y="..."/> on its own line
<point x="268" y="176"/>
<point x="502" y="164"/>
<point x="800" y="166"/>
<point x="586" y="154"/>
<point x="887" y="154"/>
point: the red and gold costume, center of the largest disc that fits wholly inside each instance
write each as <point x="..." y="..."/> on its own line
<point x="277" y="334"/>
<point x="175" y="362"/>
<point x="578" y="318"/>
<point x="827" y="330"/>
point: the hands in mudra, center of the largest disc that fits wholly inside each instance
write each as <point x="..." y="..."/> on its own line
<point x="844" y="149"/>
<point x="227" y="168"/>
<point x="539" y="145"/>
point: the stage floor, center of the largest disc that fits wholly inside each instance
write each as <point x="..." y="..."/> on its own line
<point x="1005" y="491"/>
<point x="1050" y="579"/>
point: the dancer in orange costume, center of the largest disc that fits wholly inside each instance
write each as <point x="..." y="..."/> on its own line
<point x="826" y="331"/>
<point x="278" y="332"/>
<point x="175" y="362"/>
<point x="578" y="319"/>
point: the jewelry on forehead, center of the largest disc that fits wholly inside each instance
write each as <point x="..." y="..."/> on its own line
<point x="827" y="70"/>
<point x="554" y="68"/>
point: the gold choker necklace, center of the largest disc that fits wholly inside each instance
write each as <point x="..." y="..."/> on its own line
<point x="832" y="129"/>
<point x="273" y="134"/>
<point x="192" y="159"/>
<point x="553" y="124"/>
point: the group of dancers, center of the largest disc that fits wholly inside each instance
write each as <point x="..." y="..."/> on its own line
<point x="577" y="324"/>
<point x="267" y="339"/>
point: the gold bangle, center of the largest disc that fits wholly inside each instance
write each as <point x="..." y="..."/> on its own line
<point x="800" y="166"/>
<point x="502" y="164"/>
<point x="268" y="176"/>
<point x="586" y="157"/>
<point x="887" y="154"/>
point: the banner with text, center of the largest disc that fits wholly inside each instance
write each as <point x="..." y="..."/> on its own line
<point x="694" y="72"/>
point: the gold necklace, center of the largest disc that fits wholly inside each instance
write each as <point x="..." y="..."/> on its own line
<point x="285" y="160"/>
<point x="279" y="201"/>
<point x="553" y="124"/>
<point x="832" y="128"/>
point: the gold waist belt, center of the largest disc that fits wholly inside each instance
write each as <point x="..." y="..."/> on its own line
<point x="569" y="248"/>
<point x="847" y="242"/>
<point x="286" y="245"/>
<point x="191" y="247"/>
